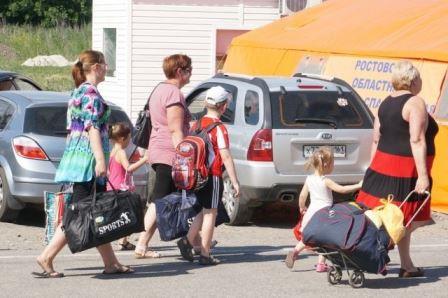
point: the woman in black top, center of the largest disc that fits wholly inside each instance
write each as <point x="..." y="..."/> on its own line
<point x="402" y="154"/>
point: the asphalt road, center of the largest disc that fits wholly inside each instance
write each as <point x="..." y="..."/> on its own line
<point x="252" y="267"/>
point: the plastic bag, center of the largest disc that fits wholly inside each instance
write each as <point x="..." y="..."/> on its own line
<point x="392" y="218"/>
<point x="55" y="204"/>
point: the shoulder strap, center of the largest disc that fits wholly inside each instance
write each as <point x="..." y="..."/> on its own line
<point x="146" y="107"/>
<point x="211" y="126"/>
<point x="206" y="129"/>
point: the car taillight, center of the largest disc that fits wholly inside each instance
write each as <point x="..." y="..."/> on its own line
<point x="260" y="148"/>
<point x="28" y="148"/>
<point x="135" y="156"/>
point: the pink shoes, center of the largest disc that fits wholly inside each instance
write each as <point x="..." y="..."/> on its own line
<point x="292" y="256"/>
<point x="321" y="267"/>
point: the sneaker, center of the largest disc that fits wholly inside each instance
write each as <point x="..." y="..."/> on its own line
<point x="290" y="259"/>
<point x="186" y="250"/>
<point x="321" y="267"/>
<point x="208" y="261"/>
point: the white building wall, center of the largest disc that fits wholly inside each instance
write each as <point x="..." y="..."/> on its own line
<point x="159" y="30"/>
<point x="114" y="14"/>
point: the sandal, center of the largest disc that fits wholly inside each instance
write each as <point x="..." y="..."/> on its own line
<point x="46" y="274"/>
<point x="197" y="249"/>
<point x="127" y="246"/>
<point x="186" y="250"/>
<point x="144" y="253"/>
<point x="290" y="259"/>
<point x="409" y="274"/>
<point x="120" y="270"/>
<point x="208" y="261"/>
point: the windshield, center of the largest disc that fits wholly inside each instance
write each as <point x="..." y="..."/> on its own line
<point x="52" y="121"/>
<point x="321" y="109"/>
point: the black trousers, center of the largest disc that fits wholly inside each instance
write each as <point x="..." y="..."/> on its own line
<point x="164" y="184"/>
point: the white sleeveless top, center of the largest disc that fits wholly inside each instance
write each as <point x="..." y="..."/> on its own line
<point x="320" y="196"/>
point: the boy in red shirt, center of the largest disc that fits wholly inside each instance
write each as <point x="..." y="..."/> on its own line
<point x="216" y="101"/>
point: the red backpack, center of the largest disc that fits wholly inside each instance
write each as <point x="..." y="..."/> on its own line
<point x="193" y="159"/>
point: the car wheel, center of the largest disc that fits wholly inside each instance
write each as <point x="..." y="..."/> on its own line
<point x="239" y="213"/>
<point x="6" y="213"/>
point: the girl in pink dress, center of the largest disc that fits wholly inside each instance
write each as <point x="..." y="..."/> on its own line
<point x="120" y="169"/>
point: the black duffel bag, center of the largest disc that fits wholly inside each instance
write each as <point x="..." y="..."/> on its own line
<point x="101" y="218"/>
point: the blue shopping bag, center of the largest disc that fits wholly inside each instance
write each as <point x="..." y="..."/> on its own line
<point x="175" y="213"/>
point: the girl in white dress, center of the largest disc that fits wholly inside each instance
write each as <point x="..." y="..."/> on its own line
<point x="320" y="189"/>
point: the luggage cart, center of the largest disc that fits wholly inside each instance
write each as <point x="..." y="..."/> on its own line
<point x="341" y="260"/>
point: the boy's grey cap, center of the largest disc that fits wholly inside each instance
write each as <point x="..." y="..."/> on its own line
<point x="216" y="95"/>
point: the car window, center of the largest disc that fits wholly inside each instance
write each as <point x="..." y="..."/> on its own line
<point x="47" y="121"/>
<point x="24" y="85"/>
<point x="196" y="105"/>
<point x="251" y="107"/>
<point x="7" y="85"/>
<point x="6" y="111"/>
<point x="52" y="121"/>
<point x="297" y="109"/>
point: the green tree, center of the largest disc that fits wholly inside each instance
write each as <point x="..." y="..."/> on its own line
<point x="49" y="13"/>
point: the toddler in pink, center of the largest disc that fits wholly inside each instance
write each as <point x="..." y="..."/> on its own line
<point x="120" y="169"/>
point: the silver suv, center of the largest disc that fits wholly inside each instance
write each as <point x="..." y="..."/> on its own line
<point x="275" y="123"/>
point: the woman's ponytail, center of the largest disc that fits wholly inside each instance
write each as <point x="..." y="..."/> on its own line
<point x="78" y="73"/>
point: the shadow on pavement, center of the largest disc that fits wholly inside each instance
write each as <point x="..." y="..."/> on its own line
<point x="228" y="255"/>
<point x="391" y="281"/>
<point x="275" y="215"/>
<point x="31" y="216"/>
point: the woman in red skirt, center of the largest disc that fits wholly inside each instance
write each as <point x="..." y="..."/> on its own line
<point x="402" y="154"/>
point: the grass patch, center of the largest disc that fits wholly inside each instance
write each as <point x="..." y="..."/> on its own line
<point x="18" y="43"/>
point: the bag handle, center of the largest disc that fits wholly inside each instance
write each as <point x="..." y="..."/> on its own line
<point x="428" y="195"/>
<point x="67" y="186"/>
<point x="94" y="188"/>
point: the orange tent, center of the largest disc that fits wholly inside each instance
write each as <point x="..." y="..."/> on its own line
<point x="359" y="41"/>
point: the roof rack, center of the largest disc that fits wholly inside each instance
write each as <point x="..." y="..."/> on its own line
<point x="313" y="76"/>
<point x="237" y="75"/>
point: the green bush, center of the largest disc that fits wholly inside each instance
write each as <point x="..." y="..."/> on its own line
<point x="18" y="43"/>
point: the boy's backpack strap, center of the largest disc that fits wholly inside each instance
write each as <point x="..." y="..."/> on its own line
<point x="198" y="126"/>
<point x="206" y="129"/>
<point x="211" y="126"/>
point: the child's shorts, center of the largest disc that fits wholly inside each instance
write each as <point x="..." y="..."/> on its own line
<point x="210" y="195"/>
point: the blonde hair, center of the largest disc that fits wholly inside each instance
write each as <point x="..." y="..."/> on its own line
<point x="172" y="63"/>
<point x="84" y="63"/>
<point x="119" y="130"/>
<point x="320" y="160"/>
<point x="403" y="74"/>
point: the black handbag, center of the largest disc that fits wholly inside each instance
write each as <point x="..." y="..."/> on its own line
<point x="101" y="218"/>
<point x="143" y="126"/>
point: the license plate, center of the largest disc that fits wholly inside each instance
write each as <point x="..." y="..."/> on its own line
<point x="338" y="150"/>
